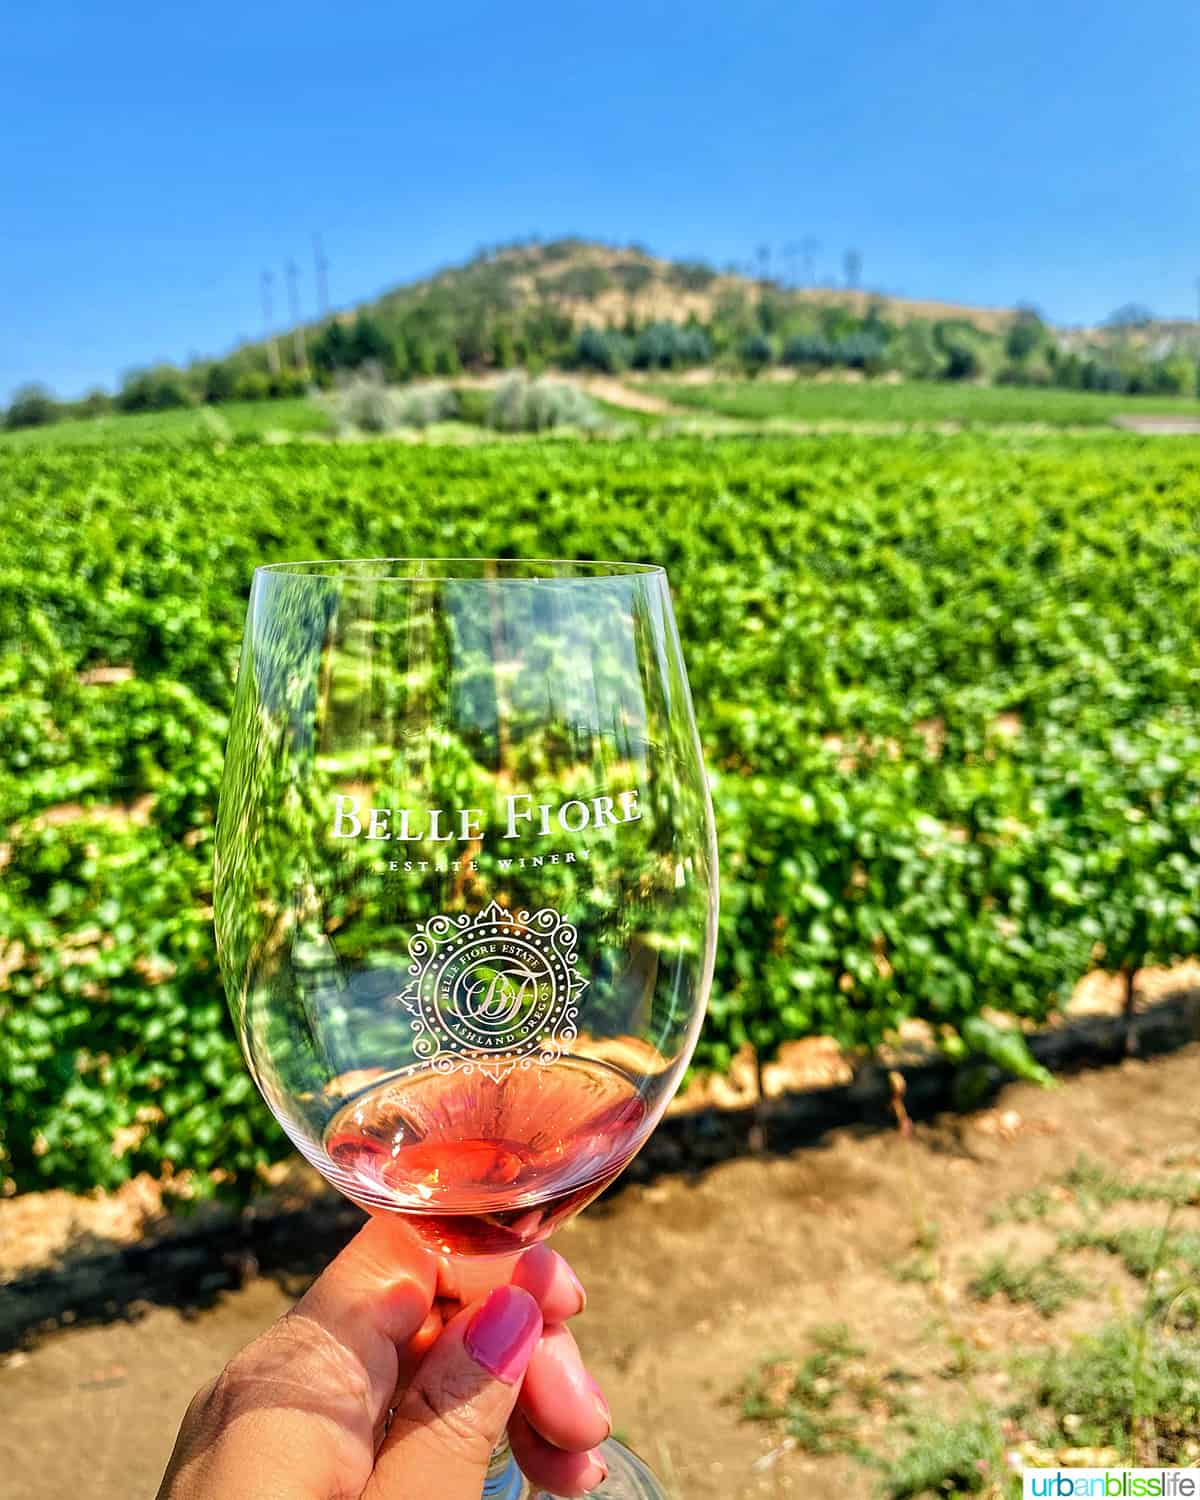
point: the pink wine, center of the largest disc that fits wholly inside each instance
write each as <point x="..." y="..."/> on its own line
<point x="485" y="1167"/>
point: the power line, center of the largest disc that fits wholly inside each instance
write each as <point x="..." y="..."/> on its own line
<point x="790" y="252"/>
<point x="269" y="322"/>
<point x="293" y="286"/>
<point x="322" y="266"/>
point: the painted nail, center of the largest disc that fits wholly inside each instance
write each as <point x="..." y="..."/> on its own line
<point x="600" y="1401"/>
<point x="578" y="1285"/>
<point x="596" y="1473"/>
<point x="503" y="1333"/>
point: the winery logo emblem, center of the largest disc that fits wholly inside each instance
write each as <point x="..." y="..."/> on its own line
<point x="495" y="991"/>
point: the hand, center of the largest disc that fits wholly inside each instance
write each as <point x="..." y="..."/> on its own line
<point x="370" y="1388"/>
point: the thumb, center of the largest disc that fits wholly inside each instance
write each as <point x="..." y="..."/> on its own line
<point x="456" y="1407"/>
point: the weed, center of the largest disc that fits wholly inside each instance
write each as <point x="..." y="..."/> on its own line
<point x="951" y="1459"/>
<point x="803" y="1396"/>
<point x="1038" y="1203"/>
<point x="1134" y="1386"/>
<point x="919" y="1268"/>
<point x="1045" y="1284"/>
<point x="1094" y="1184"/>
<point x="1169" y="1264"/>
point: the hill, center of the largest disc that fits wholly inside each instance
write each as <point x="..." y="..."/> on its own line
<point x="533" y="304"/>
<point x="582" y="305"/>
<point x="588" y="283"/>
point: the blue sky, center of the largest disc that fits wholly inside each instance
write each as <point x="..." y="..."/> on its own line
<point x="156" y="157"/>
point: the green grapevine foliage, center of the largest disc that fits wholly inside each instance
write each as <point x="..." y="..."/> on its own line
<point x="949" y="690"/>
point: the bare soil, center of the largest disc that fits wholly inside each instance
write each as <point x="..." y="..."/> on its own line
<point x="693" y="1277"/>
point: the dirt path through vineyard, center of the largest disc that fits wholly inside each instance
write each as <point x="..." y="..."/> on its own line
<point x="691" y="1282"/>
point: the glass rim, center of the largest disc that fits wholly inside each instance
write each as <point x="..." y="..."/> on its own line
<point x="465" y="569"/>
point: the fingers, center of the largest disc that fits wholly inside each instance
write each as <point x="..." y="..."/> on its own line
<point x="371" y="1300"/>
<point x="297" y="1413"/>
<point x="546" y="1276"/>
<point x="560" y="1399"/>
<point x="541" y="1272"/>
<point x="553" y="1469"/>
<point x="455" y="1410"/>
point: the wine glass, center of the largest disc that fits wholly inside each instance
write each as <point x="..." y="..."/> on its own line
<point x="466" y="889"/>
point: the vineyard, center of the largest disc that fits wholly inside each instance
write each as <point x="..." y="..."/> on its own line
<point x="948" y="689"/>
<point x="923" y="403"/>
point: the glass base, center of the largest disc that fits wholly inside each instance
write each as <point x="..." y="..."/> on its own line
<point x="628" y="1478"/>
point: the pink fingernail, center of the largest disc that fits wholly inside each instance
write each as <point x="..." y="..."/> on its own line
<point x="596" y="1474"/>
<point x="578" y="1285"/>
<point x="605" y="1412"/>
<point x="502" y="1334"/>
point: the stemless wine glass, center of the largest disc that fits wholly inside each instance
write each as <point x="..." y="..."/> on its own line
<point x="466" y="889"/>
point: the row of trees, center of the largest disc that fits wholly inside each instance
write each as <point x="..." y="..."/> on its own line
<point x="448" y="329"/>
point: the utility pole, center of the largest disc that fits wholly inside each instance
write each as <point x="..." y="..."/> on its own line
<point x="790" y="251"/>
<point x="268" y="323"/>
<point x="808" y="248"/>
<point x="322" y="266"/>
<point x="853" y="264"/>
<point x="298" y="350"/>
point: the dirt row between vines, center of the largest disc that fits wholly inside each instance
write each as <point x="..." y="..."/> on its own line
<point x="693" y="1278"/>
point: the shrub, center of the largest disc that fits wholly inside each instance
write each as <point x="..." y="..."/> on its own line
<point x="915" y="351"/>
<point x="219" y="382"/>
<point x="861" y="351"/>
<point x="960" y="349"/>
<point x="521" y="405"/>
<point x="808" y="349"/>
<point x="31" y="406"/>
<point x="632" y="276"/>
<point x="602" y="349"/>
<point x="365" y="403"/>
<point x="755" y="353"/>
<point x="159" y="389"/>
<point x="1026" y="334"/>
<point x="252" y="385"/>
<point x="691" y="275"/>
<point x="473" y="405"/>
<point x="668" y="346"/>
<point x="580" y="283"/>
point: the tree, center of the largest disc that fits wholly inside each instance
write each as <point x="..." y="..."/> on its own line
<point x="755" y="353"/>
<point x="96" y="403"/>
<point x="252" y="385"/>
<point x="158" y="389"/>
<point x="31" y="406"/>
<point x="218" y="383"/>
<point x="1026" y="333"/>
<point x="852" y="262"/>
<point x="960" y="346"/>
<point x="916" y="352"/>
<point x="368" y="344"/>
<point x="473" y="340"/>
<point x="1130" y="315"/>
<point x="663" y="346"/>
<point x="601" y="349"/>
<point x="420" y="356"/>
<point x="863" y="350"/>
<point x="770" y="313"/>
<point x="331" y="348"/>
<point x="504" y="353"/>
<point x="811" y="349"/>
